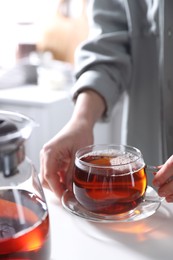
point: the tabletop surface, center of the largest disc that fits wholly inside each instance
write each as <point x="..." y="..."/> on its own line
<point x="78" y="239"/>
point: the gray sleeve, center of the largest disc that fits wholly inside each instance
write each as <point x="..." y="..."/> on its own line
<point x="103" y="62"/>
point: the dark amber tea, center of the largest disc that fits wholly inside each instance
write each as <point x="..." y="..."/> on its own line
<point x="24" y="226"/>
<point x="111" y="181"/>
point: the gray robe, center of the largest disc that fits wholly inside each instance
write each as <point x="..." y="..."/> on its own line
<point x="125" y="55"/>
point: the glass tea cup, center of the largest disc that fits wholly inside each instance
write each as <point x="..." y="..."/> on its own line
<point x="110" y="179"/>
<point x="24" y="216"/>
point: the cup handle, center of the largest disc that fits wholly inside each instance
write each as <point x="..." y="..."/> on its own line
<point x="153" y="169"/>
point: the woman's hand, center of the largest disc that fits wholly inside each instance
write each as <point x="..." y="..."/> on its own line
<point x="57" y="156"/>
<point x="163" y="180"/>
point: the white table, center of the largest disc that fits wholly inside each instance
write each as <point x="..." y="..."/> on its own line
<point x="77" y="239"/>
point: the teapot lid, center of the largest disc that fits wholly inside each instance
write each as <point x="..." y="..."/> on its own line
<point x="15" y="128"/>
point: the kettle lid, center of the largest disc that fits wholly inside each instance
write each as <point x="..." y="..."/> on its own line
<point x="15" y="128"/>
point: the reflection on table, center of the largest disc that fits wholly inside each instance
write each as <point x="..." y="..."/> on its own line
<point x="76" y="238"/>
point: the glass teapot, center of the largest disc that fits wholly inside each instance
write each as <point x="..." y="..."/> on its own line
<point x="24" y="217"/>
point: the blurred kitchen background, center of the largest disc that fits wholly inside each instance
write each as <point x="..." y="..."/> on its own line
<point x="38" y="40"/>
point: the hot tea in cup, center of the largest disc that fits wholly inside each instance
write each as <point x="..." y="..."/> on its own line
<point x="109" y="179"/>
